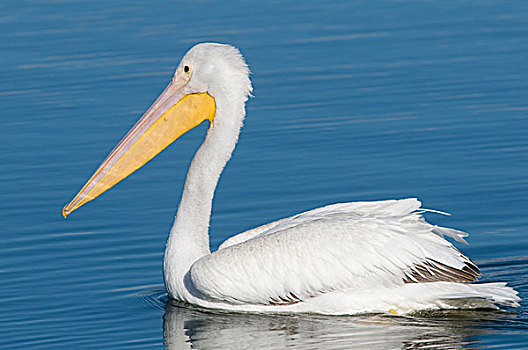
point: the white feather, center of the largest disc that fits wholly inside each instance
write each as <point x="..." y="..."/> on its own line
<point x="342" y="247"/>
<point x="339" y="259"/>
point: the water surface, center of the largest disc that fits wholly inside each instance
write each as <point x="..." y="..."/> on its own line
<point x="353" y="101"/>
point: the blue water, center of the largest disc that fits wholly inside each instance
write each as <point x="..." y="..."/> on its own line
<point x="353" y="101"/>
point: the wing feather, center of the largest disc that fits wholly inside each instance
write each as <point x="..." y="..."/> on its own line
<point x="347" y="246"/>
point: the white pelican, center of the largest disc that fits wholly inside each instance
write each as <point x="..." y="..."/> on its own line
<point x="344" y="258"/>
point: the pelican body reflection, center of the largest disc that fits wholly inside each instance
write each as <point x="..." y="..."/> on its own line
<point x="186" y="327"/>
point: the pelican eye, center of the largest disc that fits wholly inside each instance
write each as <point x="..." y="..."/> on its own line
<point x="186" y="69"/>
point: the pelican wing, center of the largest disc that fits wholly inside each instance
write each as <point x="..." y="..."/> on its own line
<point x="249" y="234"/>
<point x="341" y="247"/>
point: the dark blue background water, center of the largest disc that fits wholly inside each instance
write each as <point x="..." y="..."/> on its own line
<point x="353" y="101"/>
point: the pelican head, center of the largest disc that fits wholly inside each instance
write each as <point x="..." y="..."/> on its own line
<point x="217" y="69"/>
<point x="207" y="75"/>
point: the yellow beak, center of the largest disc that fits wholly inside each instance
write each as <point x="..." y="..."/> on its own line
<point x="169" y="117"/>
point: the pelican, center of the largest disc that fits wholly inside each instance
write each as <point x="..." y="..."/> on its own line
<point x="345" y="258"/>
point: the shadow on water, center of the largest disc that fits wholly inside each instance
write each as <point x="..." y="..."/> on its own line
<point x="186" y="328"/>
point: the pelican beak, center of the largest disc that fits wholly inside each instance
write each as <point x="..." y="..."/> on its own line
<point x="170" y="116"/>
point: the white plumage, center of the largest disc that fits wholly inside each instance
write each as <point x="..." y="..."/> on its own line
<point x="343" y="247"/>
<point x="358" y="252"/>
<point x="340" y="259"/>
